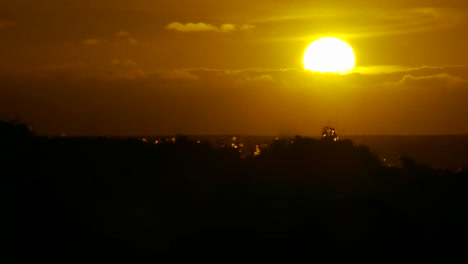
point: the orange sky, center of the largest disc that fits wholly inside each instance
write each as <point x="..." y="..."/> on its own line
<point x="146" y="67"/>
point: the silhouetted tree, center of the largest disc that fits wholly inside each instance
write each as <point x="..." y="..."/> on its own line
<point x="329" y="134"/>
<point x="14" y="129"/>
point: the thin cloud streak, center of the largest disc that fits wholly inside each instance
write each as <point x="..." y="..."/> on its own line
<point x="6" y="24"/>
<point x="385" y="23"/>
<point x="204" y="27"/>
<point x="91" y="42"/>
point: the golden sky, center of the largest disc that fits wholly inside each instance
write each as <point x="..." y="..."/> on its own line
<point x="149" y="67"/>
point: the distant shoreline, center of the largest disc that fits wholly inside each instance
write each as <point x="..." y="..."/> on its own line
<point x="434" y="151"/>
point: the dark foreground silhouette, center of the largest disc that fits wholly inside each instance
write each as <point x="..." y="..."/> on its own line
<point x="296" y="200"/>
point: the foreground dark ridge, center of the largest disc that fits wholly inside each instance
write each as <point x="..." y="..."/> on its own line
<point x="110" y="199"/>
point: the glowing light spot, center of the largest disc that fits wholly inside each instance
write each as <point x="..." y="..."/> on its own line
<point x="329" y="55"/>
<point x="257" y="151"/>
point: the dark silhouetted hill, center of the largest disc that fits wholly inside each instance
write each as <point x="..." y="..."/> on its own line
<point x="78" y="200"/>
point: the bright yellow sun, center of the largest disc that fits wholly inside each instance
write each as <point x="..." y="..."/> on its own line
<point x="329" y="55"/>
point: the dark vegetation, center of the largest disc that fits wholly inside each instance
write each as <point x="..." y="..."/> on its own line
<point x="104" y="200"/>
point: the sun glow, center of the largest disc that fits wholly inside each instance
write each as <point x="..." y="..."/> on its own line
<point x="329" y="55"/>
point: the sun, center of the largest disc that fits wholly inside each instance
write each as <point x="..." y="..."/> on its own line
<point x="329" y="55"/>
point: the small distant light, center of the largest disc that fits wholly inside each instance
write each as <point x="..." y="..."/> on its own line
<point x="198" y="141"/>
<point x="173" y="139"/>
<point x="144" y="140"/>
<point x="156" y="141"/>
<point x="257" y="150"/>
<point x="234" y="138"/>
